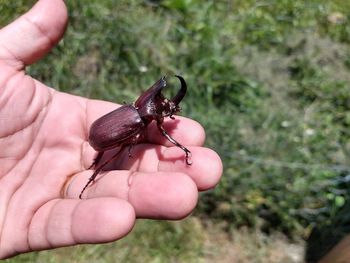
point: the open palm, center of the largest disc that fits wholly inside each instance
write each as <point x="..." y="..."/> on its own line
<point x="44" y="155"/>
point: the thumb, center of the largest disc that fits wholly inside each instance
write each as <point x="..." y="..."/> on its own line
<point x="35" y="33"/>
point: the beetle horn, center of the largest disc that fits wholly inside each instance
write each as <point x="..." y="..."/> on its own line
<point x="182" y="92"/>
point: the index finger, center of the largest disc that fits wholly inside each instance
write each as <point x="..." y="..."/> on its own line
<point x="182" y="129"/>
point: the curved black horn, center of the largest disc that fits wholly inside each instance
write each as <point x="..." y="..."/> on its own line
<point x="182" y="92"/>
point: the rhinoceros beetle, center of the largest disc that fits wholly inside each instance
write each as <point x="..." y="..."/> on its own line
<point x="126" y="125"/>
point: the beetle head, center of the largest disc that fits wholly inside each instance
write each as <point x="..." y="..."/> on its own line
<point x="153" y="105"/>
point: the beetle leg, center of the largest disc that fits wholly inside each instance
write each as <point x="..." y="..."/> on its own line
<point x="98" y="170"/>
<point x="166" y="135"/>
<point x="130" y="150"/>
<point x="133" y="142"/>
<point x="96" y="160"/>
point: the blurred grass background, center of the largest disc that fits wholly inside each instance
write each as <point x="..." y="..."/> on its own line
<point x="269" y="81"/>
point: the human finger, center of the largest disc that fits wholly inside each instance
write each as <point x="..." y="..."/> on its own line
<point x="205" y="170"/>
<point x="64" y="222"/>
<point x="32" y="35"/>
<point x="152" y="195"/>
<point x="184" y="130"/>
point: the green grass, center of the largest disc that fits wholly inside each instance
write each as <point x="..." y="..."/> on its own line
<point x="268" y="80"/>
<point x="150" y="241"/>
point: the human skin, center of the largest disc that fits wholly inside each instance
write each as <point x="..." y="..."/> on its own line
<point x="45" y="155"/>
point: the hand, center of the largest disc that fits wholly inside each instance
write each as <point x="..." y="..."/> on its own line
<point x="44" y="155"/>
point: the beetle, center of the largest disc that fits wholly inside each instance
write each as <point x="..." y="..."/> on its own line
<point x="126" y="126"/>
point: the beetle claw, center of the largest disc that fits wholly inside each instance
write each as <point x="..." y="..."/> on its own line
<point x="188" y="157"/>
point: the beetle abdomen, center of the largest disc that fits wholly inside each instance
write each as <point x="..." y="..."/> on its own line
<point x="117" y="128"/>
